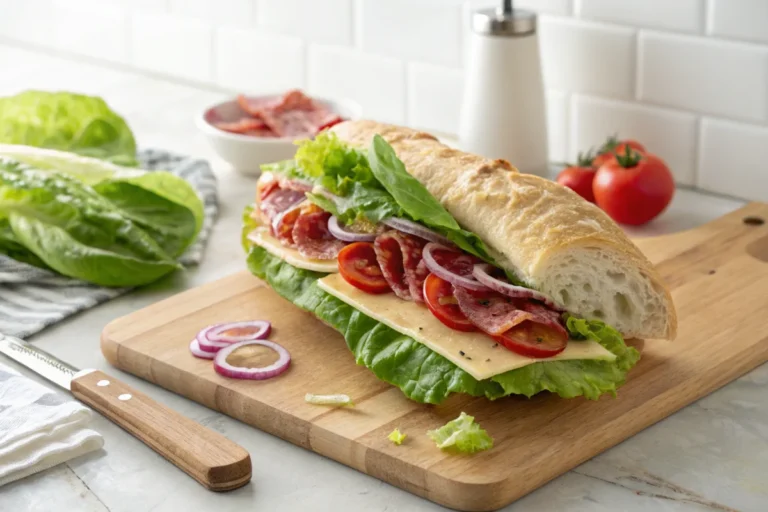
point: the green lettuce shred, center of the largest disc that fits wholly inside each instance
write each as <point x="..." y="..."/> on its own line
<point x="461" y="435"/>
<point x="397" y="437"/>
<point x="425" y="376"/>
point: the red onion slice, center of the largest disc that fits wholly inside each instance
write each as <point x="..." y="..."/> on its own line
<point x="215" y="337"/>
<point x="225" y="369"/>
<point x="416" y="229"/>
<point x="280" y="216"/>
<point x="482" y="274"/>
<point x="347" y="236"/>
<point x="455" y="279"/>
<point x="194" y="347"/>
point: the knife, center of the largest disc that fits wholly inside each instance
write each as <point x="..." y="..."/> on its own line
<point x="210" y="458"/>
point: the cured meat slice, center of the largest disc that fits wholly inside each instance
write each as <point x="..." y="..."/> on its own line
<point x="279" y="200"/>
<point x="254" y="106"/>
<point x="544" y="316"/>
<point x="311" y="236"/>
<point x="293" y="100"/>
<point x="400" y="258"/>
<point x="283" y="224"/>
<point x="454" y="261"/>
<point x="243" y="126"/>
<point x="289" y="123"/>
<point x="490" y="312"/>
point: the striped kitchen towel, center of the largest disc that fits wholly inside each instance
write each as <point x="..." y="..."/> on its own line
<point x="32" y="298"/>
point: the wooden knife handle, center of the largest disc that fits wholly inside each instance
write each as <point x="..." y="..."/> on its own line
<point x="207" y="456"/>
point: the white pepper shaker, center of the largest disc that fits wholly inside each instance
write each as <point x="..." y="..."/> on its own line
<point x="503" y="113"/>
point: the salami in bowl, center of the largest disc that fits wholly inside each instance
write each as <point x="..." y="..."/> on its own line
<point x="251" y="130"/>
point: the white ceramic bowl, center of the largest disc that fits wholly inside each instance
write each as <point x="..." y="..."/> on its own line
<point x="246" y="153"/>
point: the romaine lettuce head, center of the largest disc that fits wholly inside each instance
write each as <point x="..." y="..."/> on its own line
<point x="69" y="122"/>
<point x="91" y="220"/>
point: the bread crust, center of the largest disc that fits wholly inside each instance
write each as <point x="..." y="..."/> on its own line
<point x="524" y="219"/>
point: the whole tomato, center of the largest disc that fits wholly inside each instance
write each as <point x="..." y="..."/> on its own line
<point x="579" y="177"/>
<point x="614" y="146"/>
<point x="633" y="188"/>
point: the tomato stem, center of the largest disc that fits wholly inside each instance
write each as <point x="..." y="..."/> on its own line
<point x="585" y="159"/>
<point x="609" y="145"/>
<point x="630" y="158"/>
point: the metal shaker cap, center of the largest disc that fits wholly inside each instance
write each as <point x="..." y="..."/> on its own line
<point x="504" y="21"/>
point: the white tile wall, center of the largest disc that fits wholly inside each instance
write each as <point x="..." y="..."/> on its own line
<point x="687" y="77"/>
<point x="422" y="30"/>
<point x="667" y="133"/>
<point x="171" y="46"/>
<point x="678" y="15"/>
<point x="377" y="83"/>
<point x="237" y="13"/>
<point x="242" y="64"/>
<point x="588" y="57"/>
<point x="733" y="158"/>
<point x="557" y="124"/>
<point x="739" y="19"/>
<point x="696" y="73"/>
<point x="322" y="21"/>
<point x="92" y="28"/>
<point x="430" y="111"/>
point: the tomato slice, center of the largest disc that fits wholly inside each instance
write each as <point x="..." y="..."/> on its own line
<point x="438" y="294"/>
<point x="358" y="267"/>
<point x="531" y="339"/>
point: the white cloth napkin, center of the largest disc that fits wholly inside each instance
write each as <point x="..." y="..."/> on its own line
<point x="39" y="428"/>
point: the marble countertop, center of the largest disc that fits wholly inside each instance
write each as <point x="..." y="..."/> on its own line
<point x="710" y="456"/>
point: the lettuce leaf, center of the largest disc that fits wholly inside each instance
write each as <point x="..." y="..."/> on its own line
<point x="373" y="185"/>
<point x="107" y="227"/>
<point x="70" y="122"/>
<point x="461" y="435"/>
<point x="103" y="175"/>
<point x="425" y="376"/>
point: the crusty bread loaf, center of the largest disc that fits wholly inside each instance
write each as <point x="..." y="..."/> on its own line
<point x="545" y="233"/>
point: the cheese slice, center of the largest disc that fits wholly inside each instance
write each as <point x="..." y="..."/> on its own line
<point x="474" y="352"/>
<point x="261" y="237"/>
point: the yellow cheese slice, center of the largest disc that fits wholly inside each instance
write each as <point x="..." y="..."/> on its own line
<point x="261" y="237"/>
<point x="474" y="352"/>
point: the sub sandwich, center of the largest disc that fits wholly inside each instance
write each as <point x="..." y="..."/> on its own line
<point x="447" y="272"/>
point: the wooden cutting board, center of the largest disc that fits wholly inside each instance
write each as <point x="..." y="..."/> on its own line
<point x="718" y="274"/>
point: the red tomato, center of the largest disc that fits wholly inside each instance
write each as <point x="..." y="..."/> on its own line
<point x="613" y="146"/>
<point x="578" y="179"/>
<point x="533" y="340"/>
<point x="438" y="294"/>
<point x="358" y="267"/>
<point x="633" y="188"/>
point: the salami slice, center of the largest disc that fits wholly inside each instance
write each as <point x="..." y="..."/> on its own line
<point x="278" y="201"/>
<point x="544" y="316"/>
<point x="490" y="312"/>
<point x="246" y="125"/>
<point x="400" y="259"/>
<point x="311" y="236"/>
<point x="254" y="106"/>
<point x="283" y="224"/>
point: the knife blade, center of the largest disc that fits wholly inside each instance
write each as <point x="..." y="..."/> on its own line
<point x="210" y="458"/>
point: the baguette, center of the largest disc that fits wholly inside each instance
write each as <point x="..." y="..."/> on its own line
<point x="545" y="233"/>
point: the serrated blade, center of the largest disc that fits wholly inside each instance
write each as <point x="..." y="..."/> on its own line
<point x="38" y="360"/>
